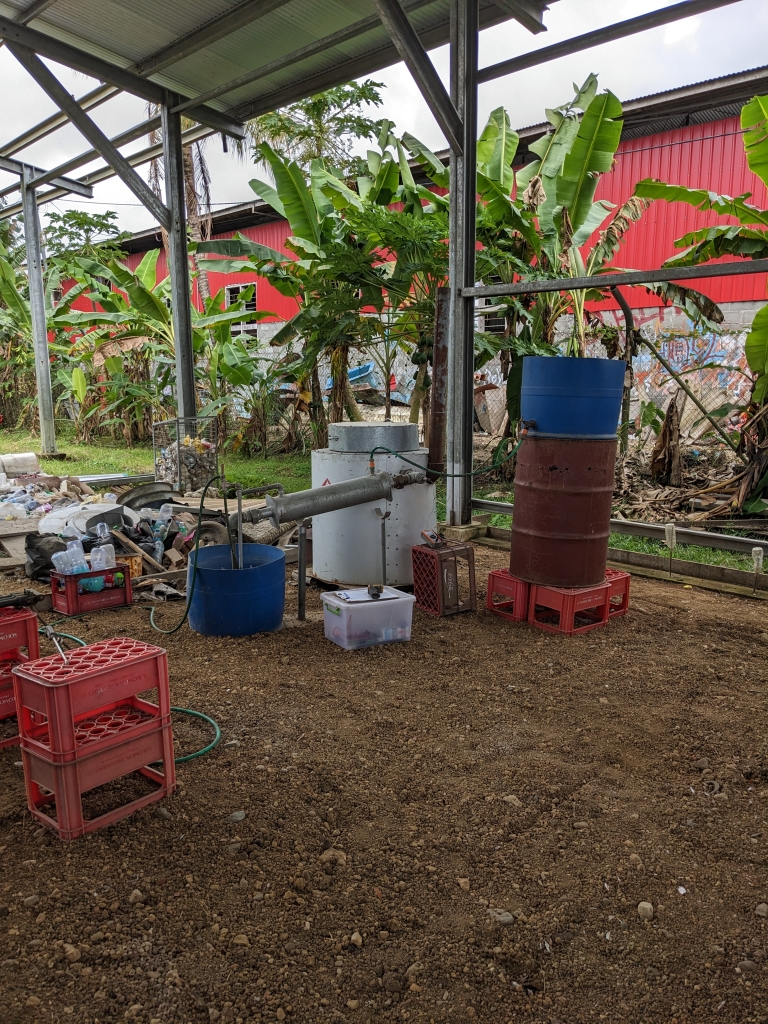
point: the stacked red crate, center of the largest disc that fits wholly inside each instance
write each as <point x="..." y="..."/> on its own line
<point x="18" y="643"/>
<point x="83" y="724"/>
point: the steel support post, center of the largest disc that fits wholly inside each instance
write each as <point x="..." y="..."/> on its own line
<point x="463" y="171"/>
<point x="178" y="263"/>
<point x="37" y="314"/>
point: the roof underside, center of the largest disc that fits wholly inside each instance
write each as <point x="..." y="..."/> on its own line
<point x="288" y="48"/>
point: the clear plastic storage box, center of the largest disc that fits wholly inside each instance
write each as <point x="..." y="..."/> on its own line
<point x="353" y="619"/>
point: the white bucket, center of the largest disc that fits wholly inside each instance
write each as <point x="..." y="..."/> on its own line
<point x="19" y="465"/>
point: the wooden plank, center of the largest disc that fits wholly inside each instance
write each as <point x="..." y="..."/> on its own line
<point x="15" y="546"/>
<point x="690" y="581"/>
<point x="169" y="576"/>
<point x="18" y="527"/>
<point x="697" y="570"/>
<point x="12" y="564"/>
<point x="137" y="550"/>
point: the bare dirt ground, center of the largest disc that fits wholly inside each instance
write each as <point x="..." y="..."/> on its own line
<point x="393" y="798"/>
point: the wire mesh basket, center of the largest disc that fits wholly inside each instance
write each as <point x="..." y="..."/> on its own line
<point x="185" y="452"/>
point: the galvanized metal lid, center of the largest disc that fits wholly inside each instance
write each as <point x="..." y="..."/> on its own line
<point x="364" y="437"/>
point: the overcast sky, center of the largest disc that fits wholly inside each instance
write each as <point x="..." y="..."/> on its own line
<point x="718" y="43"/>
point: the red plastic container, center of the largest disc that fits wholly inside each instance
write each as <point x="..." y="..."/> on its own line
<point x="68" y="597"/>
<point x="18" y="629"/>
<point x="507" y="596"/>
<point x="619" y="583"/>
<point x="436" y="578"/>
<point x="82" y="725"/>
<point x="578" y="609"/>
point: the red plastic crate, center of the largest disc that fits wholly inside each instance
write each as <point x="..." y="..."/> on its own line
<point x="435" y="578"/>
<point x="82" y="725"/>
<point x="18" y="628"/>
<point x="577" y="609"/>
<point x="68" y="597"/>
<point x="63" y="785"/>
<point x="619" y="584"/>
<point x="512" y="595"/>
<point x="91" y="678"/>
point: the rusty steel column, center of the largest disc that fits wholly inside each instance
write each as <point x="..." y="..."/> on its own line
<point x="438" y="408"/>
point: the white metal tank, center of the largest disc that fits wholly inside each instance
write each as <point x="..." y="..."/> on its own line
<point x="346" y="545"/>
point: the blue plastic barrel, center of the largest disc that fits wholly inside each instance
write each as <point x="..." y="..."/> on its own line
<point x="571" y="397"/>
<point x="237" y="602"/>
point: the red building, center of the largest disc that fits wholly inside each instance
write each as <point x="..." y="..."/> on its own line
<point x="689" y="136"/>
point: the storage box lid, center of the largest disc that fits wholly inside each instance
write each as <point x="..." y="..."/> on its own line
<point x="363" y="597"/>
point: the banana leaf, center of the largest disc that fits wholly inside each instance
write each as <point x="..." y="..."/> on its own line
<point x="746" y="213"/>
<point x="721" y="240"/>
<point x="496" y="150"/>
<point x="590" y="155"/>
<point x="293" y="194"/>
<point x="435" y="169"/>
<point x="754" y="119"/>
<point x="756" y="350"/>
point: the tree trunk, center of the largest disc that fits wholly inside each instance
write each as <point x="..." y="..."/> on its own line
<point x="418" y="394"/>
<point x="318" y="416"/>
<point x="194" y="219"/>
<point x="351" y="406"/>
<point x="339" y="359"/>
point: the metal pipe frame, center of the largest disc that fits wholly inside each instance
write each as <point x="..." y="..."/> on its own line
<point x="70" y="184"/>
<point x="51" y="85"/>
<point x="654" y="531"/>
<point x="620" y="30"/>
<point x="461" y="271"/>
<point x="632" y="278"/>
<point x="178" y="262"/>
<point x="422" y="70"/>
<point x="16" y="35"/>
<point x="103" y="173"/>
<point x="37" y="316"/>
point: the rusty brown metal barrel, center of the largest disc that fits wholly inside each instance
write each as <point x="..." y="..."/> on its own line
<point x="562" y="517"/>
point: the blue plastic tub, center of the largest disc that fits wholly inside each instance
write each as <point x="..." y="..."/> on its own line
<point x="237" y="602"/>
<point x="570" y="397"/>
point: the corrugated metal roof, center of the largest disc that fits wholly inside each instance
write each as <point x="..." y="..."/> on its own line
<point x="137" y="34"/>
<point x="700" y="103"/>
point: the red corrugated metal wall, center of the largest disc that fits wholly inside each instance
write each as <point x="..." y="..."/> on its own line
<point x="268" y="298"/>
<point x="707" y="156"/>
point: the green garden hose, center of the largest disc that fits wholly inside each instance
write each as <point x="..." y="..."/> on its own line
<point x="177" y="627"/>
<point x="211" y="745"/>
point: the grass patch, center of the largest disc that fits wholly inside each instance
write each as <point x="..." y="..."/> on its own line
<point x="687" y="552"/>
<point x="105" y="455"/>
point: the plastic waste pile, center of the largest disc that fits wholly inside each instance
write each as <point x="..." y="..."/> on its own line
<point x="198" y="463"/>
<point x="36" y="496"/>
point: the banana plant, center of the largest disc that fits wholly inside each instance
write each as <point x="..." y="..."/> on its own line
<point x="332" y="273"/>
<point x="747" y="239"/>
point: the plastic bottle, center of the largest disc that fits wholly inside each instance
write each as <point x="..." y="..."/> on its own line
<point x="77" y="556"/>
<point x="159" y="551"/>
<point x="160" y="525"/>
<point x="62" y="562"/>
<point x="102" y="533"/>
<point x="110" y="497"/>
<point x="103" y="557"/>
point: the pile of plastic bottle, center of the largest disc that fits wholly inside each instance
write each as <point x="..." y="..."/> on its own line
<point x="22" y="502"/>
<point x="72" y="561"/>
<point x="159" y="521"/>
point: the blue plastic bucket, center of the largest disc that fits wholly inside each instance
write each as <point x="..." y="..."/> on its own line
<point x="570" y="397"/>
<point x="237" y="602"/>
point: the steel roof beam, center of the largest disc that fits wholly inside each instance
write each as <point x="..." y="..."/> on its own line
<point x="104" y="173"/>
<point x="27" y="172"/>
<point x="632" y="278"/>
<point x="530" y="16"/>
<point x="46" y="177"/>
<point x="422" y="70"/>
<point x="66" y="102"/>
<point x="601" y="35"/>
<point x="244" y="14"/>
<point x="79" y="60"/>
